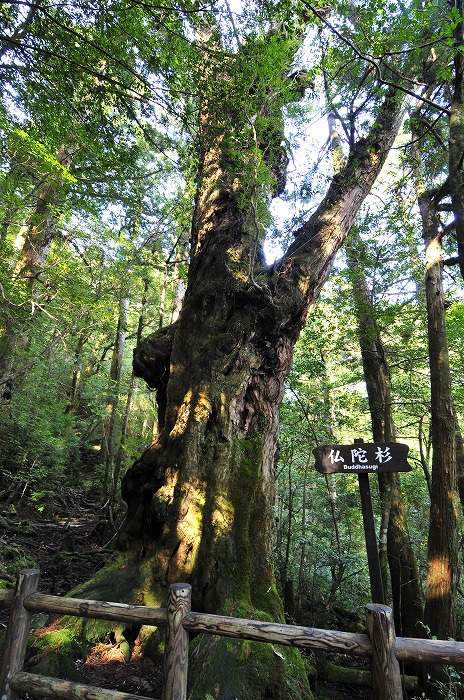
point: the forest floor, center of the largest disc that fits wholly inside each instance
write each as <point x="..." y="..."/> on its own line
<point x="68" y="548"/>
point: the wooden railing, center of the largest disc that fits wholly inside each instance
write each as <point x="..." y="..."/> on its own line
<point x="380" y="645"/>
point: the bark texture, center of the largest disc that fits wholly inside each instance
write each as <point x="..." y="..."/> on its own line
<point x="405" y="585"/>
<point x="200" y="499"/>
<point x="456" y="139"/>
<point x="442" y="570"/>
<point x="35" y="240"/>
<point x="40" y="229"/>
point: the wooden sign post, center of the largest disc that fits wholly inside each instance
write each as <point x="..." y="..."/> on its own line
<point x="364" y="458"/>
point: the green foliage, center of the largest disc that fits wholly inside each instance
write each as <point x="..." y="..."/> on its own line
<point x="326" y="403"/>
<point x="126" y="89"/>
<point x="39" y="445"/>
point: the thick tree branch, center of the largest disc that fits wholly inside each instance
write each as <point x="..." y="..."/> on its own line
<point x="307" y="263"/>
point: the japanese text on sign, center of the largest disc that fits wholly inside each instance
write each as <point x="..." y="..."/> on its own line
<point x="365" y="457"/>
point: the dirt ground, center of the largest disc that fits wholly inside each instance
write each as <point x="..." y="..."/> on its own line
<point x="68" y="548"/>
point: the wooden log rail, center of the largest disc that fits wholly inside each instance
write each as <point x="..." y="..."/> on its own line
<point x="380" y="644"/>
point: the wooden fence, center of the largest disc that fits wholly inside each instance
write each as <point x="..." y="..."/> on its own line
<point x="380" y="645"/>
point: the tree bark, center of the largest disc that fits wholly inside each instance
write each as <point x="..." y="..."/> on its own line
<point x="442" y="549"/>
<point x="36" y="238"/>
<point x="112" y="400"/>
<point x="201" y="497"/>
<point x="300" y="596"/>
<point x="130" y="393"/>
<point x="442" y="569"/>
<point x="74" y="389"/>
<point x="404" y="576"/>
<point x="40" y="229"/>
<point x="456" y="138"/>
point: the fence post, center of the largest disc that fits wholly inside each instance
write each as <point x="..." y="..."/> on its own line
<point x="14" y="649"/>
<point x="176" y="648"/>
<point x="385" y="669"/>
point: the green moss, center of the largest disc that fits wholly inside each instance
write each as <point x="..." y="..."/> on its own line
<point x="73" y="636"/>
<point x="116" y="582"/>
<point x="57" y="650"/>
<point x="12" y="560"/>
<point x="250" y="573"/>
<point x="219" y="342"/>
<point x="238" y="562"/>
<point x="122" y="580"/>
<point x="224" y="668"/>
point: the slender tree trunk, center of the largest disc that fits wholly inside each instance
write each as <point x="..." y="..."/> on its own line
<point x="442" y="569"/>
<point x="456" y="137"/>
<point x="177" y="300"/>
<point x="120" y="454"/>
<point x="109" y="421"/>
<point x="286" y="581"/>
<point x="162" y="306"/>
<point x="40" y="230"/>
<point x="36" y="239"/>
<point x="131" y="391"/>
<point x="301" y="570"/>
<point x="404" y="577"/>
<point x="456" y="185"/>
<point x="337" y="569"/>
<point x="74" y="389"/>
<point x="289" y="529"/>
<point x="425" y="445"/>
<point x="460" y="463"/>
<point x="442" y="550"/>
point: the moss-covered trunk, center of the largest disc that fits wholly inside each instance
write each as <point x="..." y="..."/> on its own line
<point x="456" y="138"/>
<point x="200" y="499"/>
<point x="442" y="573"/>
<point x="35" y="240"/>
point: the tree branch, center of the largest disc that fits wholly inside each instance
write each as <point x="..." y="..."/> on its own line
<point x="308" y="261"/>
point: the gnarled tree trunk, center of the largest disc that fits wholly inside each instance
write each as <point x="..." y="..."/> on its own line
<point x="200" y="499"/>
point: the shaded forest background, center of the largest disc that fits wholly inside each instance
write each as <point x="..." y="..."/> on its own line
<point x="98" y="129"/>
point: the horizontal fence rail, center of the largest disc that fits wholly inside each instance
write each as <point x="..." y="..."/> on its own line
<point x="96" y="609"/>
<point x="286" y="635"/>
<point x="42" y="686"/>
<point x="380" y="645"/>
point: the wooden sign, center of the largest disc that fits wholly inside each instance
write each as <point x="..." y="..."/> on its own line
<point x="362" y="458"/>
